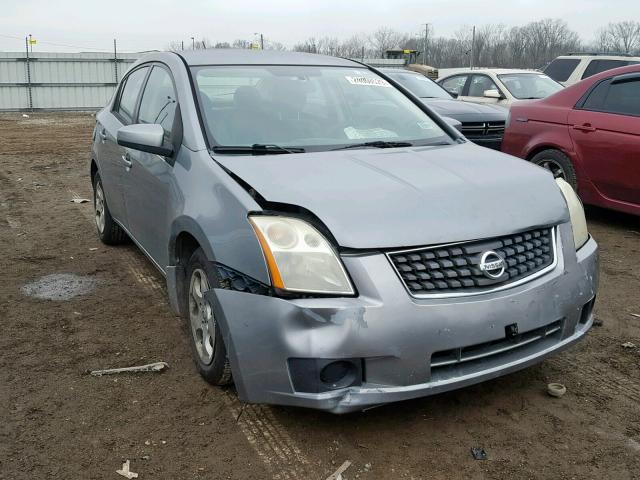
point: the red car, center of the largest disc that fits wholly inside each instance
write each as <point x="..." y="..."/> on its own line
<point x="588" y="134"/>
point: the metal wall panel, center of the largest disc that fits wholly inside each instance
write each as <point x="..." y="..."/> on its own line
<point x="13" y="98"/>
<point x="61" y="81"/>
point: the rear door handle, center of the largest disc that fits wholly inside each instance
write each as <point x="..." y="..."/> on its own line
<point x="585" y="127"/>
<point x="103" y="135"/>
<point x="126" y="159"/>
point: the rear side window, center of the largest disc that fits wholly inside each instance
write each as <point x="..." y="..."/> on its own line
<point x="561" y="68"/>
<point x="597" y="66"/>
<point x="454" y="85"/>
<point x="128" y="97"/>
<point x="158" y="104"/>
<point x="620" y="98"/>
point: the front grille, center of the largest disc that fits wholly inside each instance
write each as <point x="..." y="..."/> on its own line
<point x="445" y="363"/>
<point x="479" y="130"/>
<point x="455" y="269"/>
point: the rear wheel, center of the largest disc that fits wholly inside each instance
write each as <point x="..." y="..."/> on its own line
<point x="559" y="164"/>
<point x="207" y="344"/>
<point x="108" y="230"/>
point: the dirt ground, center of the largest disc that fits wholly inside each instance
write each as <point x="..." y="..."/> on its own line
<point x="58" y="422"/>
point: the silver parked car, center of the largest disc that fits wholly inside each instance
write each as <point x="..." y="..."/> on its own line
<point x="331" y="242"/>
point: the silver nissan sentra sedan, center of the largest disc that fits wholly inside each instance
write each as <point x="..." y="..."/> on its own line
<point x="331" y="241"/>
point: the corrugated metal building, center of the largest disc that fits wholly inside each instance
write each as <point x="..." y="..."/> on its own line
<point x="60" y="81"/>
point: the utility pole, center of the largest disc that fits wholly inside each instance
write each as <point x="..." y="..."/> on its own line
<point x="26" y="44"/>
<point x="193" y="43"/>
<point x="30" y="43"/>
<point x="115" y="60"/>
<point x="182" y="43"/>
<point x="426" y="42"/>
<point x="261" y="40"/>
<point x="473" y="46"/>
<point x="363" y="54"/>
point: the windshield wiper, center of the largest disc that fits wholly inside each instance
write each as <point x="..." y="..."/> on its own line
<point x="257" y="149"/>
<point x="376" y="144"/>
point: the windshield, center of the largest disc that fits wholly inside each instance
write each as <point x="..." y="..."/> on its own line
<point x="315" y="108"/>
<point x="419" y="85"/>
<point x="529" y="85"/>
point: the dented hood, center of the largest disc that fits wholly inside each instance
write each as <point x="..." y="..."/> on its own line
<point x="401" y="197"/>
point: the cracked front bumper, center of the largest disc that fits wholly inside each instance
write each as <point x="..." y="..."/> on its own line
<point x="396" y="335"/>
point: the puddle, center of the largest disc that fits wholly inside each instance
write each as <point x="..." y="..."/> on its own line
<point x="59" y="286"/>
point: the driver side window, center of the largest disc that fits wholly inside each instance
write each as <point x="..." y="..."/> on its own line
<point x="479" y="84"/>
<point x="159" y="101"/>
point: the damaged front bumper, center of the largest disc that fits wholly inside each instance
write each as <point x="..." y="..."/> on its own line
<point x="407" y="347"/>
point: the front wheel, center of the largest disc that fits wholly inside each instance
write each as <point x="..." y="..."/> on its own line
<point x="559" y="164"/>
<point x="109" y="231"/>
<point x="207" y="344"/>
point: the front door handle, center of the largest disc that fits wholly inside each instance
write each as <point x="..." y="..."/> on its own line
<point x="585" y="127"/>
<point x="103" y="135"/>
<point x="126" y="159"/>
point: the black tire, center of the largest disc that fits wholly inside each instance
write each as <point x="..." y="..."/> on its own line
<point x="214" y="367"/>
<point x="109" y="231"/>
<point x="559" y="164"/>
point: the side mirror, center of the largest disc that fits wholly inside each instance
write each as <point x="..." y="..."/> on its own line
<point x="453" y="123"/>
<point x="144" y="137"/>
<point x="493" y="93"/>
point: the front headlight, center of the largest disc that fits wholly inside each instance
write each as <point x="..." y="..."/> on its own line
<point x="299" y="258"/>
<point x="576" y="213"/>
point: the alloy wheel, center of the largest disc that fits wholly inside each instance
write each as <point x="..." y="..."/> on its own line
<point x="554" y="167"/>
<point x="203" y="325"/>
<point x="100" y="207"/>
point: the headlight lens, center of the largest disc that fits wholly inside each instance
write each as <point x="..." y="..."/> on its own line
<point x="576" y="213"/>
<point x="299" y="258"/>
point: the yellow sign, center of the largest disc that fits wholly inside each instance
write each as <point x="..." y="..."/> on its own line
<point x="255" y="46"/>
<point x="32" y="41"/>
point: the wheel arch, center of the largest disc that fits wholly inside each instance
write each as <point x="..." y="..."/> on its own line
<point x="186" y="236"/>
<point x="548" y="146"/>
<point x="93" y="169"/>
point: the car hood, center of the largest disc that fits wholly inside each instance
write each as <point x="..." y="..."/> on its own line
<point x="466" y="111"/>
<point x="401" y="197"/>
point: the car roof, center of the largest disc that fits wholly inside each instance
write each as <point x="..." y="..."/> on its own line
<point x="238" y="56"/>
<point x="497" y="71"/>
<point x="600" y="56"/>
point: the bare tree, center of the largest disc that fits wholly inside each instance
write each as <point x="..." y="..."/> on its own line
<point x="623" y="37"/>
<point x="174" y="46"/>
<point x="527" y="46"/>
<point x="385" y="38"/>
<point x="240" y="43"/>
<point x="195" y="44"/>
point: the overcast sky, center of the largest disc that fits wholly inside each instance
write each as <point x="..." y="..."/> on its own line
<point x="144" y="25"/>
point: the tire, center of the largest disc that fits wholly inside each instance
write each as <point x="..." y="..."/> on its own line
<point x="109" y="231"/>
<point x="559" y="164"/>
<point x="207" y="347"/>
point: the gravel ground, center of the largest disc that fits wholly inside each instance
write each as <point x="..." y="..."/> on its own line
<point x="59" y="422"/>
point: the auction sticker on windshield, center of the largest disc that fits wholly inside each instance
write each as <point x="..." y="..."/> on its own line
<point x="369" y="81"/>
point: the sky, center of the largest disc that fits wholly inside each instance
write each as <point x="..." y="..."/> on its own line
<point x="139" y="25"/>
